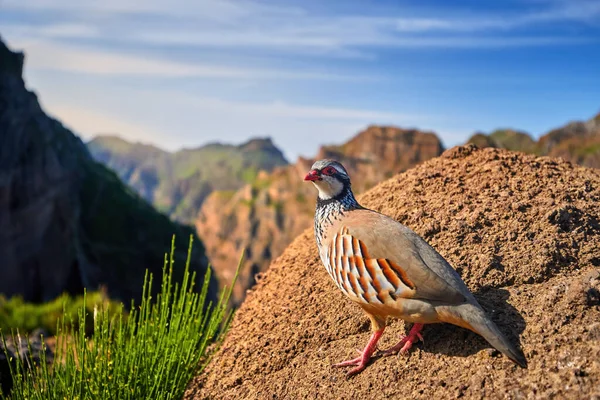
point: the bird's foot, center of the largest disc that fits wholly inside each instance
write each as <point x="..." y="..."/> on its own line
<point x="360" y="362"/>
<point x="406" y="342"/>
<point x="365" y="355"/>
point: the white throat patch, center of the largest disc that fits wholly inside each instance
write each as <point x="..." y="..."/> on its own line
<point x="323" y="195"/>
<point x="328" y="187"/>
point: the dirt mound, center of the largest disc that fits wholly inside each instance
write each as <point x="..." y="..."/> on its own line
<point x="524" y="234"/>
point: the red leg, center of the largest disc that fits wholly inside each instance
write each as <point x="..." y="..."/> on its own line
<point x="365" y="355"/>
<point x="406" y="343"/>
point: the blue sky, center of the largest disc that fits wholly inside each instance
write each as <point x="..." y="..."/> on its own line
<point x="187" y="72"/>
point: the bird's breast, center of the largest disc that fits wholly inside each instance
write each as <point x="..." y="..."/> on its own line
<point x="372" y="295"/>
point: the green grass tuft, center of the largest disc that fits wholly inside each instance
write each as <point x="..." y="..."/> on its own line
<point x="153" y="353"/>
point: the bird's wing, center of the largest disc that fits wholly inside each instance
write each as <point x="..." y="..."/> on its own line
<point x="374" y="257"/>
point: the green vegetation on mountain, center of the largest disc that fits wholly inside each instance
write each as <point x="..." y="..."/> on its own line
<point x="513" y="140"/>
<point x="509" y="139"/>
<point x="178" y="183"/>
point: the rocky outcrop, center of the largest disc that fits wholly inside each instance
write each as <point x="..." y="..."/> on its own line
<point x="178" y="183"/>
<point x="262" y="218"/>
<point x="522" y="231"/>
<point x="66" y="221"/>
<point x="380" y="152"/>
<point x="578" y="142"/>
<point x="259" y="220"/>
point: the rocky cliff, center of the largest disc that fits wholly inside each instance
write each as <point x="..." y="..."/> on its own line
<point x="522" y="231"/>
<point x="577" y="141"/>
<point x="66" y="221"/>
<point x="262" y="218"/>
<point x="178" y="183"/>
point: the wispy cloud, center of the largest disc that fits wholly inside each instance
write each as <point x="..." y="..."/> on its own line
<point x="339" y="46"/>
<point x="216" y="10"/>
<point x="282" y="109"/>
<point x="51" y="55"/>
<point x="554" y="11"/>
<point x="67" y="30"/>
<point x="256" y="25"/>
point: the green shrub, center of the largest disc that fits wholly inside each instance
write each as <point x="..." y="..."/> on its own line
<point x="151" y="354"/>
<point x="16" y="314"/>
<point x="249" y="174"/>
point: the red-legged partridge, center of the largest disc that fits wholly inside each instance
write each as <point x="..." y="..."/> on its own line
<point x="389" y="270"/>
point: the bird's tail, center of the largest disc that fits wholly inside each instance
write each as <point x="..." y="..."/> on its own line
<point x="474" y="318"/>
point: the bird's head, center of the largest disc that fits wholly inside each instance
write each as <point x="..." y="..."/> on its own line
<point x="330" y="177"/>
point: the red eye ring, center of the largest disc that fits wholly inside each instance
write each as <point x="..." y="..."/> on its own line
<point x="329" y="170"/>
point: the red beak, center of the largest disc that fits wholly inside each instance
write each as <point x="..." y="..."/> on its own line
<point x="312" y="176"/>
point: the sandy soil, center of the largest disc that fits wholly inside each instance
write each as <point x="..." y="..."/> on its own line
<point x="522" y="231"/>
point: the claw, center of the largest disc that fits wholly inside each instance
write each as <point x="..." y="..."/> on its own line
<point x="365" y="355"/>
<point x="354" y="361"/>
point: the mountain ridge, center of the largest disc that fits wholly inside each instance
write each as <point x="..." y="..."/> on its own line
<point x="576" y="141"/>
<point x="178" y="182"/>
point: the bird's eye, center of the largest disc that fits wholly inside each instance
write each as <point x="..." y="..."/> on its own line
<point x="328" y="170"/>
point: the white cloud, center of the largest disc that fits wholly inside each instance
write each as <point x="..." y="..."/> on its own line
<point x="244" y="24"/>
<point x="556" y="11"/>
<point x="109" y="6"/>
<point x="281" y="109"/>
<point x="334" y="47"/>
<point x="69" y="30"/>
<point x="51" y="55"/>
<point x="216" y="10"/>
<point x="43" y="54"/>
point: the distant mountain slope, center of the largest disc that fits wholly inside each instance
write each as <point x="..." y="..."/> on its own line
<point x="66" y="221"/>
<point x="506" y="139"/>
<point x="178" y="183"/>
<point x="262" y="218"/>
<point x="577" y="141"/>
